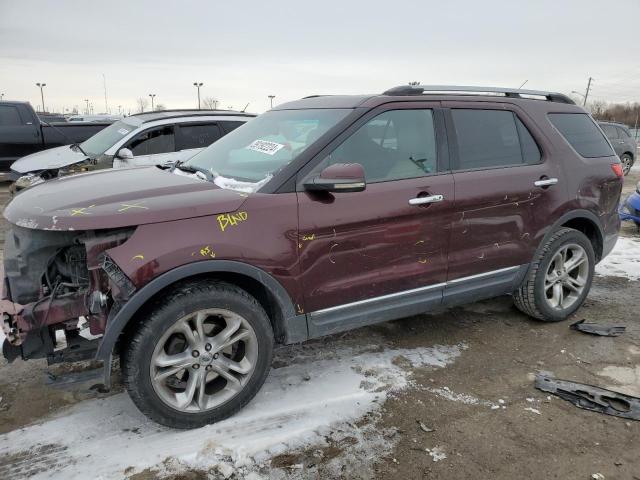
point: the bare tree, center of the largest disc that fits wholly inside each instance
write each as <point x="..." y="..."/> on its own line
<point x="210" y="103"/>
<point x="160" y="106"/>
<point x="142" y="103"/>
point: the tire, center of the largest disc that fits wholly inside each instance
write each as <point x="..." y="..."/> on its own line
<point x="159" y="361"/>
<point x="532" y="297"/>
<point x="627" y="163"/>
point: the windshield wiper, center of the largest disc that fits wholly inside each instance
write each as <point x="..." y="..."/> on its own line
<point x="191" y="169"/>
<point x="77" y="145"/>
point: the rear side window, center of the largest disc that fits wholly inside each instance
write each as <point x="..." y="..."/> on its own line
<point x="9" y="116"/>
<point x="582" y="134"/>
<point x="623" y="133"/>
<point x="230" y="125"/>
<point x="492" y="138"/>
<point x="198" y="136"/>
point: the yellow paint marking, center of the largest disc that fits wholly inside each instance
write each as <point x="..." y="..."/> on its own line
<point x="299" y="308"/>
<point x="81" y="211"/>
<point x="137" y="257"/>
<point x="233" y="219"/>
<point x="422" y="260"/>
<point x="308" y="238"/>
<point x="127" y="206"/>
<point x="207" y="252"/>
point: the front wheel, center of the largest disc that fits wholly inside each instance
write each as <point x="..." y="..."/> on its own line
<point x="201" y="354"/>
<point x="559" y="279"/>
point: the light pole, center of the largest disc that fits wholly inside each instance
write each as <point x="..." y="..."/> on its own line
<point x="198" y="85"/>
<point x="41" y="85"/>
<point x="581" y="94"/>
<point x="86" y="100"/>
<point x="271" y="97"/>
<point x="119" y="109"/>
<point x="1" y="96"/>
<point x="152" y="95"/>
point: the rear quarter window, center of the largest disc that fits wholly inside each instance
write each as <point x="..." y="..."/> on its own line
<point x="582" y="134"/>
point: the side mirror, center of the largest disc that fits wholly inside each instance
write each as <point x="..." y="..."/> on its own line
<point x="124" y="154"/>
<point x="340" y="177"/>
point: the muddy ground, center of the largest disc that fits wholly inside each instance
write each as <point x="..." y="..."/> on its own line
<point x="504" y="349"/>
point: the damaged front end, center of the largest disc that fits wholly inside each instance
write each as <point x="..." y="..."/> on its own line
<point x="56" y="285"/>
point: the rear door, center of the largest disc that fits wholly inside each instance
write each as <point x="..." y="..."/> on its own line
<point x="378" y="254"/>
<point x="612" y="134"/>
<point x="505" y="191"/>
<point x="191" y="138"/>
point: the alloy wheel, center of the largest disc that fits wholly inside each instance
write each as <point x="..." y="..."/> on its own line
<point x="566" y="276"/>
<point x="203" y="360"/>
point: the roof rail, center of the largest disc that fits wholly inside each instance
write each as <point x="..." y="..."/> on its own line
<point x="466" y="90"/>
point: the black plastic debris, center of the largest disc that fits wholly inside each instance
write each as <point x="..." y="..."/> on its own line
<point x="591" y="398"/>
<point x="597" y="329"/>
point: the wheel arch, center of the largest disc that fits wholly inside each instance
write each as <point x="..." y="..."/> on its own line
<point x="584" y="221"/>
<point x="288" y="326"/>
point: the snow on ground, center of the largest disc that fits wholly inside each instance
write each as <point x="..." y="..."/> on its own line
<point x="318" y="393"/>
<point x="623" y="261"/>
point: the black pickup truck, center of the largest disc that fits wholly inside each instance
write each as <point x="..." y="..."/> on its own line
<point x="22" y="133"/>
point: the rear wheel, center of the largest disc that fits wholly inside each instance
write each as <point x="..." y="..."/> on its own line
<point x="559" y="279"/>
<point x="200" y="356"/>
<point x="627" y="163"/>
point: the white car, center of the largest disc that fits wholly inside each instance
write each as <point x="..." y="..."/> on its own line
<point x="154" y="138"/>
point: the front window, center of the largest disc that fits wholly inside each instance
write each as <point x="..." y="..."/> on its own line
<point x="106" y="138"/>
<point x="255" y="151"/>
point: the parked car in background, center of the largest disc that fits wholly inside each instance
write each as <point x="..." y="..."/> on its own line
<point x="154" y="138"/>
<point x="319" y="216"/>
<point x="22" y="133"/>
<point x="623" y="143"/>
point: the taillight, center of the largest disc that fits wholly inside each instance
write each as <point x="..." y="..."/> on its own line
<point x="617" y="169"/>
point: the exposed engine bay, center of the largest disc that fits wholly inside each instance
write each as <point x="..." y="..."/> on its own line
<point x="59" y="281"/>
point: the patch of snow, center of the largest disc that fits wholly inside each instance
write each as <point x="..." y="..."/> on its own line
<point x="446" y="393"/>
<point x="437" y="454"/>
<point x="318" y="395"/>
<point x="623" y="261"/>
<point x="533" y="410"/>
<point x="233" y="184"/>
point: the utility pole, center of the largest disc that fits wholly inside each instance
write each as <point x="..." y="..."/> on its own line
<point x="86" y="111"/>
<point x="584" y="104"/>
<point x="271" y="97"/>
<point x="198" y="85"/>
<point x="41" y="85"/>
<point x="1" y="96"/>
<point x="104" y="84"/>
<point x="153" y="95"/>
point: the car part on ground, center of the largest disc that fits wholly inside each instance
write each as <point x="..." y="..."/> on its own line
<point x="591" y="398"/>
<point x="597" y="329"/>
<point x="320" y="216"/>
<point x="630" y="208"/>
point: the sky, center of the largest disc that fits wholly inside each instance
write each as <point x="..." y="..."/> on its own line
<point x="244" y="51"/>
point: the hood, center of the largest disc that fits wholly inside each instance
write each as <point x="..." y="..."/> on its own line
<point x="48" y="159"/>
<point x="118" y="198"/>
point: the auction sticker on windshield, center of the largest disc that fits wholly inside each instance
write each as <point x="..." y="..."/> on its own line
<point x="264" y="146"/>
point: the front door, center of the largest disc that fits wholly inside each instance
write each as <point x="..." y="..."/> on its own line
<point x="369" y="256"/>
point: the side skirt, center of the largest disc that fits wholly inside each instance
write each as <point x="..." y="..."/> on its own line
<point x="412" y="302"/>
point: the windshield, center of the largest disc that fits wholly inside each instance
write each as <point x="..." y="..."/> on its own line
<point x="106" y="138"/>
<point x="258" y="149"/>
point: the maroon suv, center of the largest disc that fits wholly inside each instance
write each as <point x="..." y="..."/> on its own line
<point x="322" y="215"/>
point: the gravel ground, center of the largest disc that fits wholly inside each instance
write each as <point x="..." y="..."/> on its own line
<point x="480" y="415"/>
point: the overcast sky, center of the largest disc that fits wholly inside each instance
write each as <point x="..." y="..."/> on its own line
<point x="245" y="50"/>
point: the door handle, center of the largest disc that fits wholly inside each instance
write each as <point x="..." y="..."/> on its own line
<point x="426" y="200"/>
<point x="545" y="182"/>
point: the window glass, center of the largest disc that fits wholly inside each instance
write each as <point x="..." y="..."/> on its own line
<point x="610" y="131"/>
<point x="492" y="138"/>
<point x="623" y="133"/>
<point x="198" y="136"/>
<point x="582" y="134"/>
<point x="266" y="144"/>
<point x="9" y="116"/>
<point x="394" y="145"/>
<point x="230" y="125"/>
<point x="154" y="141"/>
<point x="106" y="138"/>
